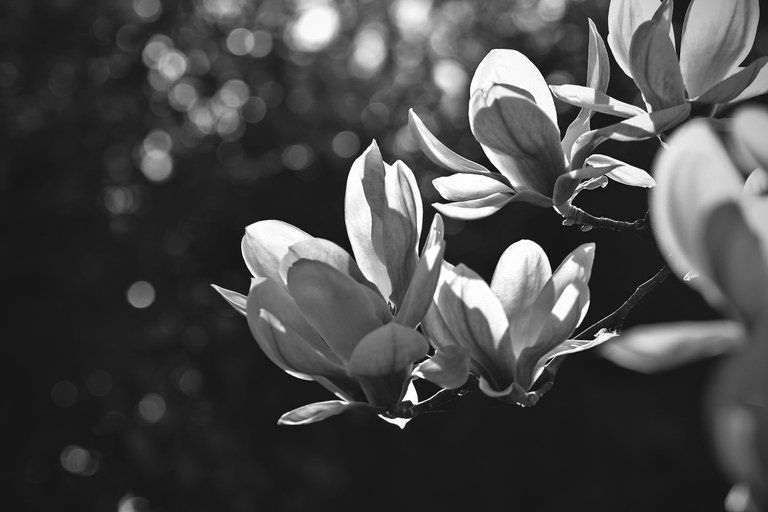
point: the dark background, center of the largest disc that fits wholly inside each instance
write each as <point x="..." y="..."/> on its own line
<point x="140" y="137"/>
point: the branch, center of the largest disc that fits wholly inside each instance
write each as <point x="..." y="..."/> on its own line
<point x="444" y="397"/>
<point x="587" y="221"/>
<point x="615" y="321"/>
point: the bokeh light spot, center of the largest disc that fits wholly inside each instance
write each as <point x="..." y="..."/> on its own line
<point x="151" y="408"/>
<point x="182" y="96"/>
<point x="191" y="382"/>
<point x="172" y="65"/>
<point x="297" y="157"/>
<point x="450" y="77"/>
<point x="148" y="10"/>
<point x="346" y="144"/>
<point x="315" y="28"/>
<point x="130" y="503"/>
<point x="140" y="294"/>
<point x="370" y="52"/>
<point x="254" y="110"/>
<point x="77" y="460"/>
<point x="64" y="394"/>
<point x="262" y="43"/>
<point x="240" y="41"/>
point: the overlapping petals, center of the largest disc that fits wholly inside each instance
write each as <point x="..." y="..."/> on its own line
<point x="711" y="227"/>
<point x="512" y="115"/>
<point x="346" y="323"/>
<point x="506" y="333"/>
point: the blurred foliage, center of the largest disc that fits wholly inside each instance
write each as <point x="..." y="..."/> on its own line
<point x="142" y="136"/>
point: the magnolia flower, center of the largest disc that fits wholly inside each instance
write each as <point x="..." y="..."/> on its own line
<point x="717" y="36"/>
<point x="512" y="115"/>
<point x="508" y="332"/>
<point x="710" y="224"/>
<point x="349" y="325"/>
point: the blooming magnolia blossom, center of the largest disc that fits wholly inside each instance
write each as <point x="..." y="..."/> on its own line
<point x="349" y="325"/>
<point x="711" y="226"/>
<point x="506" y="333"/>
<point x="717" y="36"/>
<point x="512" y="115"/>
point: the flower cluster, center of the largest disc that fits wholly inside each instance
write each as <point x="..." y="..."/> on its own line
<point x="366" y="327"/>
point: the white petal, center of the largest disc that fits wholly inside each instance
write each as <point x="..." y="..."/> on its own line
<point x="624" y="16"/>
<point x="383" y="215"/>
<point x="694" y="175"/>
<point x="520" y="275"/>
<point x="317" y="411"/>
<point x="236" y="300"/>
<point x="654" y="65"/>
<point x="437" y="151"/>
<point x="510" y="67"/>
<point x="465" y="187"/>
<point x="717" y="36"/>
<point x="518" y="137"/>
<point x="266" y="243"/>
<point x="586" y="97"/>
<point x="622" y="172"/>
<point x="476" y="318"/>
<point x="655" y="348"/>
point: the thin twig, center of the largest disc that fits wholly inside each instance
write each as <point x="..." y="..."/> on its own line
<point x="615" y="321"/>
<point x="588" y="221"/>
<point x="444" y="397"/>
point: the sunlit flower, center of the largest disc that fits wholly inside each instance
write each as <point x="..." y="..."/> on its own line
<point x="348" y="325"/>
<point x="711" y="226"/>
<point x="716" y="38"/>
<point x="506" y="333"/>
<point x="512" y="115"/>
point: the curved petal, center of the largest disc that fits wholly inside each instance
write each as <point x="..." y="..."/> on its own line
<point x="382" y="362"/>
<point x="656" y="348"/>
<point x="266" y="243"/>
<point x="592" y="99"/>
<point x="567" y="185"/>
<point x="756" y="183"/>
<point x="750" y="126"/>
<point x="435" y="235"/>
<point x="320" y="249"/>
<point x="624" y="16"/>
<point x="631" y="130"/>
<point x="693" y="176"/>
<point x="383" y="215"/>
<point x="738" y="85"/>
<point x="317" y="411"/>
<point x="559" y="308"/>
<point x="475" y="208"/>
<point x="520" y="275"/>
<point x="474" y="315"/>
<point x="334" y="304"/>
<point x="438" y="152"/>
<point x="236" y="300"/>
<point x="654" y="65"/>
<point x="512" y="68"/>
<point x="422" y="287"/>
<point x="507" y="123"/>
<point x="466" y="187"/>
<point x="622" y="172"/>
<point x="757" y="87"/>
<point x="737" y="261"/>
<point x="387" y="351"/>
<point x="598" y="66"/>
<point x="717" y="36"/>
<point x="285" y="336"/>
<point x="448" y="368"/>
